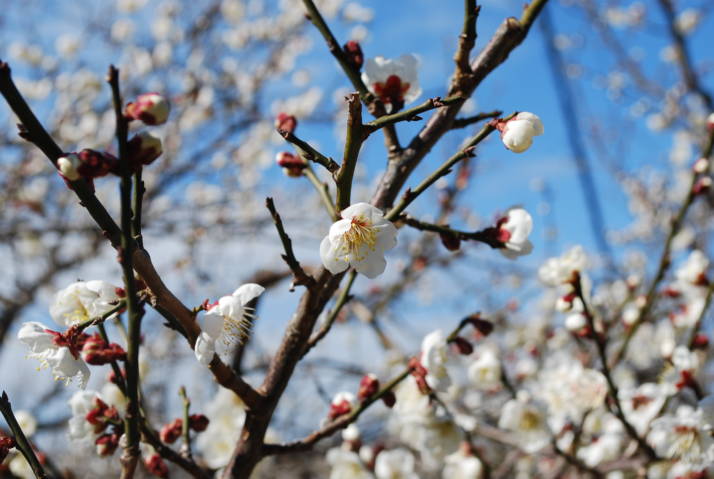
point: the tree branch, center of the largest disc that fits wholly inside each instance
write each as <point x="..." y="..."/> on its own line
<point x="308" y="152"/>
<point x="21" y="441"/>
<point x="301" y="277"/>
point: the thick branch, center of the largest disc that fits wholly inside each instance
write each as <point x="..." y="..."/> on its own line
<point x="353" y="143"/>
<point x="21" y="441"/>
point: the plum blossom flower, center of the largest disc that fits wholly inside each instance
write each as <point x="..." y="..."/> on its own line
<point x="227" y="320"/>
<point x="395" y="464"/>
<point x="359" y="240"/>
<point x="527" y="419"/>
<point x="518" y="132"/>
<point x="227" y="414"/>
<point x="82" y="301"/>
<point x="346" y="464"/>
<point x="685" y="435"/>
<point x="57" y="351"/>
<point x="485" y="372"/>
<point x="556" y="271"/>
<point x="434" y="356"/>
<point x="394" y="81"/>
<point x="462" y="465"/>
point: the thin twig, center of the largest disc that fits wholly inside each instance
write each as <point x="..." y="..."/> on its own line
<point x="470" y="120"/>
<point x="135" y="310"/>
<point x="301" y="277"/>
<point x="411" y="113"/>
<point x="21" y="441"/>
<point x="482" y="236"/>
<point x="308" y="152"/>
<point x="185" y="430"/>
<point x="100" y="319"/>
<point x="323" y="190"/>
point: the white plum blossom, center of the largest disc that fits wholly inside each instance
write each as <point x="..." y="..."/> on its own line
<point x="642" y="404"/>
<point x="226" y="413"/>
<point x="685" y="435"/>
<point x="49" y="348"/>
<point x="395" y="464"/>
<point x="556" y="271"/>
<point x="226" y="321"/>
<point x="694" y="268"/>
<point x="569" y="389"/>
<point x="434" y="356"/>
<point x="81" y="403"/>
<point x="485" y="372"/>
<point x="518" y="132"/>
<point x="513" y="231"/>
<point x="607" y="439"/>
<point x="462" y="465"/>
<point x="82" y="301"/>
<point x="394" y="81"/>
<point x="346" y="464"/>
<point x="527" y="420"/>
<point x="27" y="422"/>
<point x="359" y="240"/>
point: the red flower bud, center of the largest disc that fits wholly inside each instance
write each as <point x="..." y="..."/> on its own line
<point x="419" y="372"/>
<point x="700" y="341"/>
<point x="368" y="387"/>
<point x="198" y="422"/>
<point x="156" y="466"/>
<point x="171" y="431"/>
<point x="143" y="149"/>
<point x="285" y="122"/>
<point x="292" y="165"/>
<point x="107" y="444"/>
<point x="481" y="325"/>
<point x="353" y="52"/>
<point x="6" y="443"/>
<point x="97" y="352"/>
<point x="339" y="408"/>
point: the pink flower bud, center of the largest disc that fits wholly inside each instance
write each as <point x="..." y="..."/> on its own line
<point x="368" y="387"/>
<point x="700" y="341"/>
<point x="341" y="405"/>
<point x="97" y="352"/>
<point x="710" y="122"/>
<point x="143" y="149"/>
<point x="419" y="372"/>
<point x="285" y="122"/>
<point x="171" y="431"/>
<point x="517" y="133"/>
<point x="292" y="165"/>
<point x="702" y="185"/>
<point x="150" y="108"/>
<point x="94" y="164"/>
<point x="701" y="165"/>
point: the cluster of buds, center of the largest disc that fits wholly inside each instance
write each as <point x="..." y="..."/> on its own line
<point x="156" y="466"/>
<point x="368" y="386"/>
<point x="149" y="108"/>
<point x="87" y="164"/>
<point x="292" y="165"/>
<point x="419" y="372"/>
<point x="102" y="416"/>
<point x="6" y="443"/>
<point x="172" y="431"/>
<point x="341" y="404"/>
<point x="97" y="352"/>
<point x="704" y="183"/>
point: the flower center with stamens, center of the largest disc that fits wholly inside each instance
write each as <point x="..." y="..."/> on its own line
<point x="361" y="233"/>
<point x="236" y="327"/>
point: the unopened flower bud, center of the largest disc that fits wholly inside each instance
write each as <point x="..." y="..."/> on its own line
<point x="353" y="52"/>
<point x="701" y="165"/>
<point x="702" y="185"/>
<point x="462" y="346"/>
<point x="292" y="165"/>
<point x="700" y="341"/>
<point x="95" y="164"/>
<point x="198" y="422"/>
<point x="68" y="166"/>
<point x="6" y="443"/>
<point x="341" y="404"/>
<point x="419" y="372"/>
<point x="575" y="322"/>
<point x="97" y="352"/>
<point x="156" y="466"/>
<point x="171" y="431"/>
<point x="450" y="242"/>
<point x="518" y="132"/>
<point x="150" y="108"/>
<point x="106" y="444"/>
<point x="389" y="399"/>
<point x="285" y="122"/>
<point x="710" y="122"/>
<point x="143" y="149"/>
<point x="481" y="325"/>
<point x="368" y="386"/>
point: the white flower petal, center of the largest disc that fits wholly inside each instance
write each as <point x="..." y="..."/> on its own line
<point x="247" y="292"/>
<point x="204" y="349"/>
<point x="332" y="257"/>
